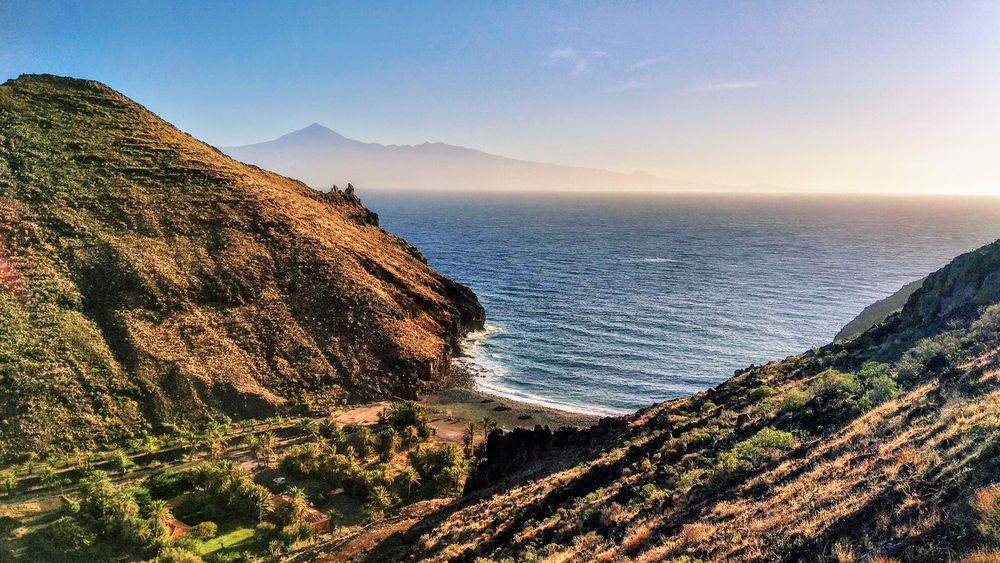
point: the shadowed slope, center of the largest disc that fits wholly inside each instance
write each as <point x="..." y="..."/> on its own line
<point x="149" y="279"/>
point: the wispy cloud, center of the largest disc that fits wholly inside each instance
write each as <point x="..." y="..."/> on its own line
<point x="562" y="54"/>
<point x="735" y="85"/>
<point x="629" y="85"/>
<point x="599" y="53"/>
<point x="646" y="63"/>
<point x="579" y="63"/>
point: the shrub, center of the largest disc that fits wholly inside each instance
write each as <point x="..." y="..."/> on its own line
<point x="166" y="484"/>
<point x="795" y="399"/>
<point x="760" y="393"/>
<point x="986" y="503"/>
<point x="832" y="382"/>
<point x="204" y="530"/>
<point x="985" y="331"/>
<point x="764" y="444"/>
<point x="177" y="555"/>
<point x="69" y="536"/>
<point x="405" y="415"/>
<point x="929" y="355"/>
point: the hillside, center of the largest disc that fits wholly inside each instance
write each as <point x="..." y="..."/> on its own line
<point x="147" y="280"/>
<point x="882" y="448"/>
<point x="321" y="157"/>
<point x="878" y="311"/>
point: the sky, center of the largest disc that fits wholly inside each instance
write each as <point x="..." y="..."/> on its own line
<point x="796" y="96"/>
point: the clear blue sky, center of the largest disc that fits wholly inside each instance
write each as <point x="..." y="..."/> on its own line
<point x="879" y="96"/>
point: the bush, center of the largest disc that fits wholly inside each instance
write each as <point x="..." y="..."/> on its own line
<point x="759" y="393"/>
<point x="405" y="416"/>
<point x="69" y="536"/>
<point x="831" y="383"/>
<point x="986" y="503"/>
<point x="177" y="555"/>
<point x="204" y="530"/>
<point x="929" y="355"/>
<point x="795" y="399"/>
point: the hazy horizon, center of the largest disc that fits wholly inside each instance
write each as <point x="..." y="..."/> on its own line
<point x="893" y="97"/>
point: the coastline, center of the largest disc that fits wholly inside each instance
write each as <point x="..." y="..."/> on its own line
<point x="467" y="394"/>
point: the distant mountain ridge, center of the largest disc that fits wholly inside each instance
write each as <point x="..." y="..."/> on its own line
<point x="321" y="157"/>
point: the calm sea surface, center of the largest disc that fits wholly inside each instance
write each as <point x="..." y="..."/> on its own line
<point x="607" y="304"/>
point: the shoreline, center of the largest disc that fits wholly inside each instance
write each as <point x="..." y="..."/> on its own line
<point x="459" y="397"/>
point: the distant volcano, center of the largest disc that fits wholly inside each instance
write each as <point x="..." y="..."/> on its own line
<point x="322" y="157"/>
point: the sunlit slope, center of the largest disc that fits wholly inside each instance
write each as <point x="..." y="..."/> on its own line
<point x="147" y="279"/>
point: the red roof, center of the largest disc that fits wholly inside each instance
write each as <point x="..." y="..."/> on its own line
<point x="176" y="528"/>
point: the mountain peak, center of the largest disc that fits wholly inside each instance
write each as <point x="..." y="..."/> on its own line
<point x="315" y="133"/>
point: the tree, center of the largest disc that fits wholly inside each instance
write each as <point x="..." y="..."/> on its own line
<point x="8" y="482"/>
<point x="489" y="425"/>
<point x="307" y="426"/>
<point x="295" y="508"/>
<point x="469" y="439"/>
<point x="160" y="514"/>
<point x="122" y="460"/>
<point x="379" y="499"/>
<point x="363" y="441"/>
<point x="30" y="461"/>
<point x="150" y="444"/>
<point x="48" y="476"/>
<point x="262" y="446"/>
<point x="388" y="443"/>
<point x="410" y="478"/>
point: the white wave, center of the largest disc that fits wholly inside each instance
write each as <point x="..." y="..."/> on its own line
<point x="488" y="376"/>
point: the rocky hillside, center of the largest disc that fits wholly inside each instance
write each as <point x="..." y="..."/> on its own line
<point x="146" y="279"/>
<point x="882" y="448"/>
<point x="878" y="311"/>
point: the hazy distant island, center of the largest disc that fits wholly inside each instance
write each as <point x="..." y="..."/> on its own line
<point x="321" y="157"/>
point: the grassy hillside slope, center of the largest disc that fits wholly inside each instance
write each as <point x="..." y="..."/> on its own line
<point x="146" y="279"/>
<point x="882" y="448"/>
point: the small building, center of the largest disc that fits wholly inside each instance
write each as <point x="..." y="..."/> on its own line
<point x="176" y="528"/>
<point x="320" y="522"/>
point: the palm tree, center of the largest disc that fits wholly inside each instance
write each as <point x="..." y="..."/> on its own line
<point x="379" y="499"/>
<point x="410" y="478"/>
<point x="160" y="513"/>
<point x="489" y="425"/>
<point x="48" y="476"/>
<point x="150" y="444"/>
<point x="364" y="440"/>
<point x="8" y="482"/>
<point x="122" y="461"/>
<point x="388" y="443"/>
<point x="307" y="426"/>
<point x="469" y="439"/>
<point x="298" y="504"/>
<point x="29" y="463"/>
<point x="268" y="442"/>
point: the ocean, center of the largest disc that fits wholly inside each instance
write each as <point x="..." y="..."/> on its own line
<point x="604" y="303"/>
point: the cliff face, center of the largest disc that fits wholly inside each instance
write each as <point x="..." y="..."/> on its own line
<point x="885" y="447"/>
<point x="878" y="312"/>
<point x="146" y="278"/>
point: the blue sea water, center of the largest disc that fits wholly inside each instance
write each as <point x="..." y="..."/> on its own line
<point x="607" y="303"/>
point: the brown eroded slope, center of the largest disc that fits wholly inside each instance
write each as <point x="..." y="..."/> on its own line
<point x="147" y="279"/>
